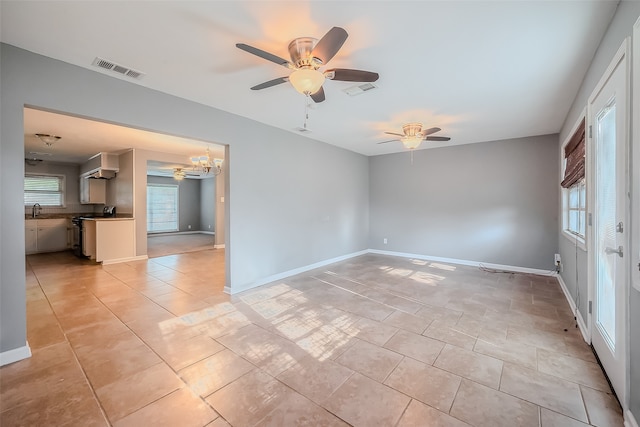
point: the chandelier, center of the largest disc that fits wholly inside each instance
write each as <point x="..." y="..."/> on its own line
<point x="205" y="164"/>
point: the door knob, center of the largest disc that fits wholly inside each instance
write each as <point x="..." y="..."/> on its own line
<point x="610" y="251"/>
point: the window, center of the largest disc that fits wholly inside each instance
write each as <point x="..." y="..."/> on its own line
<point x="46" y="190"/>
<point x="162" y="208"/>
<point x="574" y="193"/>
<point x="576" y="209"/>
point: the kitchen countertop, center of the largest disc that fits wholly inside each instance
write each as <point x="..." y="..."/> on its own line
<point x="73" y="215"/>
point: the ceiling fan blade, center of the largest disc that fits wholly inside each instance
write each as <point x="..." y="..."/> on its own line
<point x="430" y="131"/>
<point x="384" y="142"/>
<point x="437" y="138"/>
<point x="330" y="44"/>
<point x="393" y="133"/>
<point x="318" y="96"/>
<point x="270" y="83"/>
<point x="348" y="75"/>
<point x="265" y="55"/>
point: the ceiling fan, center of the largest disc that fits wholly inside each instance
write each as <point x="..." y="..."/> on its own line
<point x="413" y="135"/>
<point x="307" y="56"/>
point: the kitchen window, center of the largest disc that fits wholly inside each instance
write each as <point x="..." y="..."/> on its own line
<point x="574" y="193"/>
<point x="46" y="190"/>
<point x="162" y="208"/>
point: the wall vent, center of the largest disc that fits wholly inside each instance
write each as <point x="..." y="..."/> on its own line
<point x="359" y="89"/>
<point x="117" y="68"/>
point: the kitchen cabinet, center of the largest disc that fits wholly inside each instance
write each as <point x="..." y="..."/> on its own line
<point x="109" y="240"/>
<point x="46" y="235"/>
<point x="93" y="191"/>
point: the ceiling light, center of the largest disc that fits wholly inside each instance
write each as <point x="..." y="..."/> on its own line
<point x="307" y="81"/>
<point x="178" y="174"/>
<point x="47" y="139"/>
<point x="205" y="164"/>
<point x="413" y="135"/>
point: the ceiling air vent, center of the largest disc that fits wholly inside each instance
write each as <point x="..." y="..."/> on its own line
<point x="359" y="89"/>
<point x="117" y="68"/>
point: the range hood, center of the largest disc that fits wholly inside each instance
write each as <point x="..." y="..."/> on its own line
<point x="100" y="166"/>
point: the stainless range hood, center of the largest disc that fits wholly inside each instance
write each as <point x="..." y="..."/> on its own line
<point x="100" y="166"/>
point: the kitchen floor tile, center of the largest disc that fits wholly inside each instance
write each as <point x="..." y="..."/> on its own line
<point x="215" y="372"/>
<point x="474" y="366"/>
<point x="419" y="414"/>
<point x="370" y="360"/>
<point x="415" y="346"/>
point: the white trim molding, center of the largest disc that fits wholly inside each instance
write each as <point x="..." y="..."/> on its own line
<point x="218" y="246"/>
<point x="629" y="419"/>
<point x="289" y="273"/>
<point x="581" y="323"/>
<point x="513" y="268"/>
<point x="11" y="356"/>
<point x="128" y="259"/>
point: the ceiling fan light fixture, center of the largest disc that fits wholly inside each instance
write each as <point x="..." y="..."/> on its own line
<point x="48" y="139"/>
<point x="179" y="174"/>
<point x="307" y="81"/>
<point x="412" y="142"/>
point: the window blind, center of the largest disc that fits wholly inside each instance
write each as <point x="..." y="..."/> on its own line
<point x="574" y="153"/>
<point x="162" y="208"/>
<point x="46" y="190"/>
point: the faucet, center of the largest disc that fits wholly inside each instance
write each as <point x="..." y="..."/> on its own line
<point x="35" y="211"/>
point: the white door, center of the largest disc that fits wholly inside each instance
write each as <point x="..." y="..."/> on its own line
<point x="608" y="120"/>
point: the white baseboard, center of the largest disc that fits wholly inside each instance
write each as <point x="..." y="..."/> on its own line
<point x="175" y="233"/>
<point x="581" y="323"/>
<point x="513" y="268"/>
<point x="629" y="419"/>
<point x="218" y="246"/>
<point x="15" y="355"/>
<point x="290" y="273"/>
<point x="212" y="233"/>
<point x="128" y="259"/>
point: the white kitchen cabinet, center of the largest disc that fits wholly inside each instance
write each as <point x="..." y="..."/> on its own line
<point x="31" y="236"/>
<point x="46" y="235"/>
<point x="93" y="191"/>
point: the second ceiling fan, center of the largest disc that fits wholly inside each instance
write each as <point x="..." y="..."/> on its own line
<point x="307" y="56"/>
<point x="413" y="135"/>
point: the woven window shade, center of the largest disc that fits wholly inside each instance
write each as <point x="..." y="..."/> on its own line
<point x="574" y="155"/>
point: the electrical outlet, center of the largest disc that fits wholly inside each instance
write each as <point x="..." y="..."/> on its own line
<point x="189" y="226"/>
<point x="384" y="240"/>
<point x="556" y="259"/>
<point x="209" y="226"/>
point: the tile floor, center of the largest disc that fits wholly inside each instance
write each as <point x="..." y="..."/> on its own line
<point x="371" y="341"/>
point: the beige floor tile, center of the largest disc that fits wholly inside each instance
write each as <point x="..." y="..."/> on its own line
<point x="218" y="422"/>
<point x="180" y="353"/>
<point x="375" y="332"/>
<point x="250" y="398"/>
<point x="264" y="349"/>
<point x="538" y="338"/>
<point x="572" y="369"/>
<point x="131" y="393"/>
<point x="215" y="372"/>
<point x="553" y="419"/>
<point x="180" y="408"/>
<point x="450" y="334"/>
<point x="361" y="401"/>
<point x="483" y="406"/>
<point x="425" y="383"/>
<point x="508" y="351"/>
<point x="468" y="364"/>
<point x="315" y="379"/>
<point x="419" y="414"/>
<point x="297" y="410"/>
<point x="370" y="360"/>
<point x="408" y="322"/>
<point x="545" y="390"/>
<point x="416" y="346"/>
<point x="603" y="409"/>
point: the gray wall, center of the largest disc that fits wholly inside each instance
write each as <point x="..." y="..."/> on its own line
<point x="188" y="201"/>
<point x="491" y="202"/>
<point x="284" y="209"/>
<point x="621" y="27"/>
<point x="208" y="204"/>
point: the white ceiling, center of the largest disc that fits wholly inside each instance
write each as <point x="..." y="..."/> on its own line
<point x="480" y="70"/>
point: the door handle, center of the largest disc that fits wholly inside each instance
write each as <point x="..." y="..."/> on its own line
<point x="610" y="251"/>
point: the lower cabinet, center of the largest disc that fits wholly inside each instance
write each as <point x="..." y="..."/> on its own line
<point x="46" y="235"/>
